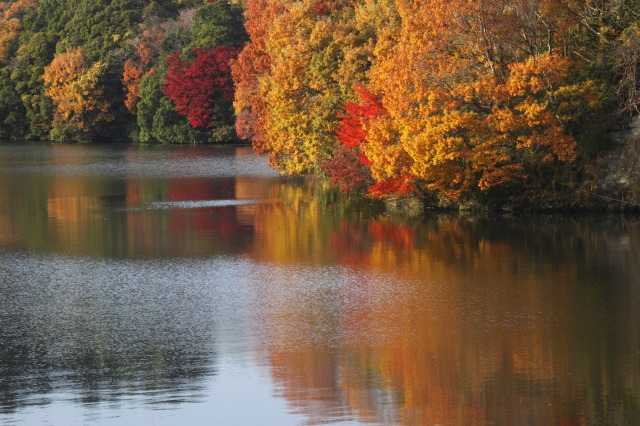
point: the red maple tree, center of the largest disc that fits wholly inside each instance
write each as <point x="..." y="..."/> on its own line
<point x="195" y="87"/>
<point x="351" y="131"/>
<point x="348" y="167"/>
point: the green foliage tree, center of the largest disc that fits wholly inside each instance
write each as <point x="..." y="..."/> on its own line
<point x="12" y="111"/>
<point x="218" y="23"/>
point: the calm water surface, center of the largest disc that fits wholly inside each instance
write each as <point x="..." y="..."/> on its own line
<point x="193" y="285"/>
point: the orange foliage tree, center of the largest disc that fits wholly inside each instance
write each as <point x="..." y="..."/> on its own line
<point x="478" y="94"/>
<point x="73" y="86"/>
<point x="349" y="167"/>
<point x="147" y="46"/>
<point x="131" y="76"/>
<point x="251" y="64"/>
<point x="311" y="54"/>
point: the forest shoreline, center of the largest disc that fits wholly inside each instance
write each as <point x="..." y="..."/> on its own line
<point x="508" y="105"/>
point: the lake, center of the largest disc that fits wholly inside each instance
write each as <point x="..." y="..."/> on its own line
<point x="169" y="285"/>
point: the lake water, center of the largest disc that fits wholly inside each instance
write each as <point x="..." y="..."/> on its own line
<point x="193" y="285"/>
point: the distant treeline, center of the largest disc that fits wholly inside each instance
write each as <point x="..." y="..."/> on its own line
<point x="450" y="100"/>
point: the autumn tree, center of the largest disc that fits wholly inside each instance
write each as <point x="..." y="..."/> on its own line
<point x="157" y="118"/>
<point x="168" y="51"/>
<point x="131" y="76"/>
<point x="252" y="63"/>
<point x="198" y="79"/>
<point x="14" y="122"/>
<point x="476" y="97"/>
<point x="73" y="86"/>
<point x="143" y="74"/>
<point x="147" y="49"/>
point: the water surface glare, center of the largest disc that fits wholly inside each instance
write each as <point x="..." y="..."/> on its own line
<point x="193" y="285"/>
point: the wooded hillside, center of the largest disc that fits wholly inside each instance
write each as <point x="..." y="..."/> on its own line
<point x="87" y="70"/>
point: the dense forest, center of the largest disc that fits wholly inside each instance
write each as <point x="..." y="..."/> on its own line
<point x="454" y="101"/>
<point x="98" y="70"/>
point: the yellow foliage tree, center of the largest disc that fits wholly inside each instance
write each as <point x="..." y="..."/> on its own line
<point x="315" y="53"/>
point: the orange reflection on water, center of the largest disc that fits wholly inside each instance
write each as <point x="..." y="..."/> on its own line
<point x="449" y="322"/>
<point x="72" y="204"/>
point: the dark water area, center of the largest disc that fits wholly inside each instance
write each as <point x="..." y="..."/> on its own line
<point x="193" y="285"/>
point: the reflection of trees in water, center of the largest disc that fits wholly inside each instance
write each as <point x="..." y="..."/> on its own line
<point x="192" y="232"/>
<point x="72" y="202"/>
<point x="101" y="331"/>
<point x="453" y="320"/>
